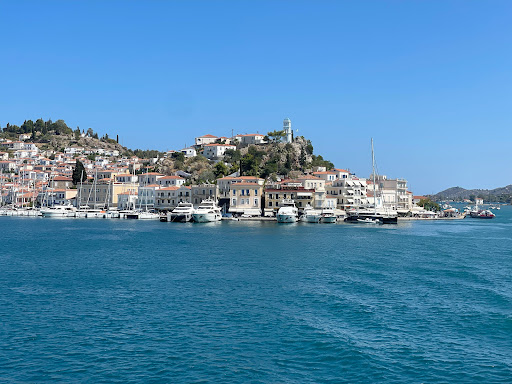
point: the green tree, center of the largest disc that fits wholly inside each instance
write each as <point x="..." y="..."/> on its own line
<point x="39" y="125"/>
<point x="276" y="136"/>
<point x="90" y="132"/>
<point x="220" y="169"/>
<point x="60" y="128"/>
<point x="232" y="156"/>
<point x="79" y="173"/>
<point x="178" y="156"/>
<point x="429" y="205"/>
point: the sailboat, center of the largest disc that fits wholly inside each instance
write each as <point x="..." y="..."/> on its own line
<point x="372" y="216"/>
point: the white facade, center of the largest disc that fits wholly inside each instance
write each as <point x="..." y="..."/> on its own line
<point x="287" y="128"/>
<point x="170" y="181"/>
<point x="206" y="139"/>
<point x="189" y="152"/>
<point x="216" y="151"/>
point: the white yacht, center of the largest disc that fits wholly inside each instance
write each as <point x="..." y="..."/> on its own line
<point x="288" y="213"/>
<point x="58" y="211"/>
<point x="328" y="216"/>
<point x="182" y="213"/>
<point x="95" y="214"/>
<point x="207" y="211"/>
<point x="142" y="215"/>
<point x="311" y="215"/>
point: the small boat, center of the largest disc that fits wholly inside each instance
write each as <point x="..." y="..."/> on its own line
<point x="208" y="211"/>
<point x="310" y="215"/>
<point x="142" y="215"/>
<point x="328" y="216"/>
<point x="369" y="220"/>
<point x="59" y="211"/>
<point x="486" y="215"/>
<point x="288" y="213"/>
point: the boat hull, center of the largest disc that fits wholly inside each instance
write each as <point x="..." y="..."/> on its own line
<point x="363" y="218"/>
<point x="180" y="217"/>
<point x="285" y="218"/>
<point x="206" y="217"/>
<point x="328" y="219"/>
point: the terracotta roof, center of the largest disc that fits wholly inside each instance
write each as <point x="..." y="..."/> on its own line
<point x="211" y="136"/>
<point x="219" y="145"/>
<point x="172" y="177"/>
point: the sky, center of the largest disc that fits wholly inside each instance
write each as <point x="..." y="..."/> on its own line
<point x="429" y="81"/>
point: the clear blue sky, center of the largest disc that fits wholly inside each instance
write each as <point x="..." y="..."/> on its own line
<point x="430" y="81"/>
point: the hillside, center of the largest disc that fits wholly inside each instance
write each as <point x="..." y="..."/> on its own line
<point x="263" y="160"/>
<point x="502" y="194"/>
<point x="55" y="136"/>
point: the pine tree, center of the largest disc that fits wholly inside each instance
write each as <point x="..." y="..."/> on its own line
<point x="79" y="173"/>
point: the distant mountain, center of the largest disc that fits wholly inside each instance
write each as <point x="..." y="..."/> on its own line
<point x="502" y="194"/>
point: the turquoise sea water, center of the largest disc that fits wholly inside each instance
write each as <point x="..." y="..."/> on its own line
<point x="248" y="302"/>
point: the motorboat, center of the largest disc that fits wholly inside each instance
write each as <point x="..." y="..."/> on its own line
<point x="208" y="211"/>
<point x="486" y="215"/>
<point x="311" y="215"/>
<point x="182" y="213"/>
<point x="95" y="214"/>
<point x="288" y="212"/>
<point x="142" y="215"/>
<point x="59" y="211"/>
<point x="328" y="216"/>
<point x="370" y="220"/>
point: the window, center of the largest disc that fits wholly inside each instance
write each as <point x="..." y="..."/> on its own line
<point x="269" y="203"/>
<point x="234" y="192"/>
<point x="234" y="202"/>
<point x="256" y="202"/>
<point x="255" y="192"/>
<point x="247" y="191"/>
<point x="243" y="192"/>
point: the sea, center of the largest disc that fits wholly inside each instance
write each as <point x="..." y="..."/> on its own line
<point x="120" y="301"/>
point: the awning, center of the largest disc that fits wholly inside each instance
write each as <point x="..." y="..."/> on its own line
<point x="348" y="182"/>
<point x="350" y="200"/>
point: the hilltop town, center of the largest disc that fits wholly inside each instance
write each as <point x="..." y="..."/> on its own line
<point x="248" y="174"/>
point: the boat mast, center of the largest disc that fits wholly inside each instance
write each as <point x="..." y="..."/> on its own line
<point x="374" y="193"/>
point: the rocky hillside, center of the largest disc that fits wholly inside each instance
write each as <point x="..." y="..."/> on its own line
<point x="266" y="160"/>
<point x="57" y="143"/>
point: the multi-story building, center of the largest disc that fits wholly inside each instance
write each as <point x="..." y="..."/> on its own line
<point x="170" y="181"/>
<point x="101" y="193"/>
<point x="246" y="198"/>
<point x="206" y="139"/>
<point x="251" y="138"/>
<point x="204" y="191"/>
<point x="149" y="178"/>
<point x="167" y="198"/>
<point x="393" y="193"/>
<point x="350" y="192"/>
<point x="216" y="151"/>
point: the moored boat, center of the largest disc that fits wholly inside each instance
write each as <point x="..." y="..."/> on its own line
<point x="208" y="211"/>
<point x="288" y="213"/>
<point x="58" y="211"/>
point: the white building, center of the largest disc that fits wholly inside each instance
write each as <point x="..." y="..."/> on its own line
<point x="206" y="139"/>
<point x="350" y="192"/>
<point x="189" y="152"/>
<point x="170" y="181"/>
<point x="252" y="138"/>
<point x="149" y="178"/>
<point x="216" y="151"/>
